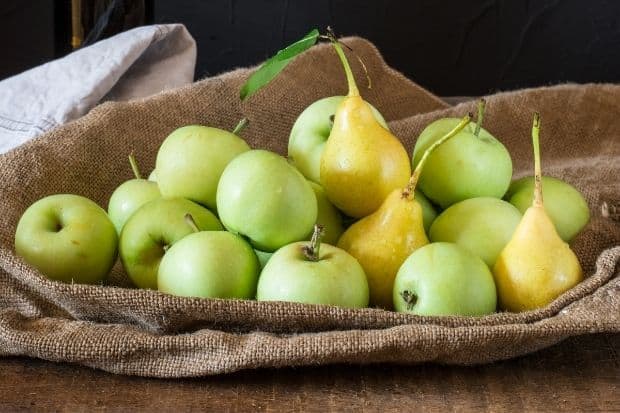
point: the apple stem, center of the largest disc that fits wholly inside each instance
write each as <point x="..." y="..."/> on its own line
<point x="410" y="298"/>
<point x="409" y="190"/>
<point x="353" y="91"/>
<point x="538" y="195"/>
<point x="240" y="126"/>
<point x="481" y="106"/>
<point x="134" y="166"/>
<point x="311" y="251"/>
<point x="190" y="221"/>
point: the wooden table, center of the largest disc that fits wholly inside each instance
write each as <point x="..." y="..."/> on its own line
<point x="580" y="374"/>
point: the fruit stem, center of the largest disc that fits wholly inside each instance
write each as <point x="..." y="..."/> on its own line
<point x="311" y="251"/>
<point x="353" y="91"/>
<point x="134" y="166"/>
<point x="538" y="195"/>
<point x="481" y="106"/>
<point x="410" y="298"/>
<point x="240" y="126"/>
<point x="189" y="219"/>
<point x="408" y="192"/>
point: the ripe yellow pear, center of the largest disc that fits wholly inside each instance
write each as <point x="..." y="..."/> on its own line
<point x="362" y="161"/>
<point x="383" y="240"/>
<point x="536" y="265"/>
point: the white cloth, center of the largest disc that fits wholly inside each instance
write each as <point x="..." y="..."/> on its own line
<point x="132" y="64"/>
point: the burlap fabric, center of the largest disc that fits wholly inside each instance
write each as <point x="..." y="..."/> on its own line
<point x="147" y="333"/>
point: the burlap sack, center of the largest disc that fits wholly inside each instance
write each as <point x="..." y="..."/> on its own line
<point x="147" y="333"/>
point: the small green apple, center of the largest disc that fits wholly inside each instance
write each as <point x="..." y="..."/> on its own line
<point x="310" y="132"/>
<point x="265" y="199"/>
<point x="327" y="216"/>
<point x="152" y="229"/>
<point x="428" y="210"/>
<point x="313" y="273"/>
<point x="481" y="225"/>
<point x="565" y="205"/>
<point x="470" y="165"/>
<point x="209" y="264"/>
<point x="444" y="279"/>
<point x="67" y="238"/>
<point x="191" y="159"/>
<point x="130" y="196"/>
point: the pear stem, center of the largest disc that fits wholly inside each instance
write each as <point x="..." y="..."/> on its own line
<point x="409" y="190"/>
<point x="189" y="219"/>
<point x="353" y="91"/>
<point x="538" y="195"/>
<point x="311" y="251"/>
<point x="134" y="166"/>
<point x="240" y="126"/>
<point x="481" y="106"/>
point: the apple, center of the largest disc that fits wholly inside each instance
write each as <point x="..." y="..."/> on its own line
<point x="263" y="257"/>
<point x="152" y="229"/>
<point x="266" y="200"/>
<point x="310" y="132"/>
<point x="470" y="165"/>
<point x="67" y="238"/>
<point x="313" y="273"/>
<point x="327" y="215"/>
<point x="443" y="279"/>
<point x="481" y="225"/>
<point x="153" y="175"/>
<point x="209" y="264"/>
<point x="191" y="159"/>
<point x="429" y="213"/>
<point x="565" y="205"/>
<point x="130" y="196"/>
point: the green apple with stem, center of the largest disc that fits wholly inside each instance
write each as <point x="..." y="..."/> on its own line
<point x="313" y="273"/>
<point x="209" y="264"/>
<point x="442" y="279"/>
<point x="472" y="164"/>
<point x="130" y="196"/>
<point x="67" y="238"/>
<point x="191" y="160"/>
<point x="265" y="199"/>
<point x="310" y="132"/>
<point x="564" y="204"/>
<point x="482" y="225"/>
<point x="152" y="229"/>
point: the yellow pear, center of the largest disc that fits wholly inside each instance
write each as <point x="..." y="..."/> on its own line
<point x="536" y="265"/>
<point x="383" y="240"/>
<point x="362" y="161"/>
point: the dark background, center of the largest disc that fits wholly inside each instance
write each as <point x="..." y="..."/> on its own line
<point x="450" y="47"/>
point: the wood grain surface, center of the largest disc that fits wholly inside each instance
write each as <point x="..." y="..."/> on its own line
<point x="580" y="374"/>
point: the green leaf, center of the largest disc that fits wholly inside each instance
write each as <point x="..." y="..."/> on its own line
<point x="276" y="64"/>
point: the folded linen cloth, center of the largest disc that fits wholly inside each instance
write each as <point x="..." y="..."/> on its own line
<point x="132" y="64"/>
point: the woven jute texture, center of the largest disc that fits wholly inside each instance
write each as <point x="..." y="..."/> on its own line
<point x="139" y="332"/>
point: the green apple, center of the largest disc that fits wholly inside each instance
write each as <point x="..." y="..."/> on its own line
<point x="152" y="229"/>
<point x="209" y="264"/>
<point x="310" y="132"/>
<point x="153" y="175"/>
<point x="130" y="196"/>
<point x="443" y="279"/>
<point x="191" y="159"/>
<point x="483" y="226"/>
<point x="67" y="238"/>
<point x="313" y="273"/>
<point x="263" y="257"/>
<point x="265" y="199"/>
<point x="470" y="165"/>
<point x="565" y="205"/>
<point x="327" y="215"/>
<point x="428" y="210"/>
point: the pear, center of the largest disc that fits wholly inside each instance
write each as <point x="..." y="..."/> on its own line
<point x="362" y="161"/>
<point x="382" y="241"/>
<point x="536" y="265"/>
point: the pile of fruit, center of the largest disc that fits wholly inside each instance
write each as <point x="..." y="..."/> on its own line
<point x="349" y="219"/>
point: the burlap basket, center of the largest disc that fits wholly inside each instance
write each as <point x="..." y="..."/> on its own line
<point x="130" y="331"/>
